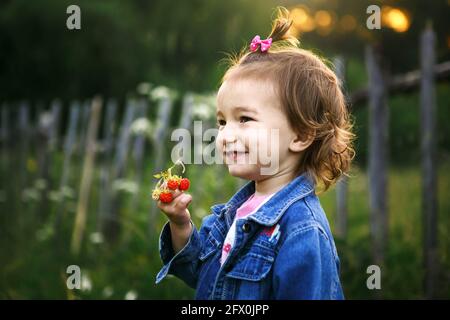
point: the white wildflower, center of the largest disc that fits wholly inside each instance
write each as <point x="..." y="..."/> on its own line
<point x="96" y="237"/>
<point x="160" y="92"/>
<point x="107" y="292"/>
<point x="144" y="88"/>
<point x="141" y="126"/>
<point x="131" y="295"/>
<point x="40" y="184"/>
<point x="86" y="283"/>
<point x="30" y="194"/>
<point x="125" y="186"/>
<point x="202" y="111"/>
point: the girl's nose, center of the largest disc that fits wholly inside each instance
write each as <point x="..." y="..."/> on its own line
<point x="228" y="135"/>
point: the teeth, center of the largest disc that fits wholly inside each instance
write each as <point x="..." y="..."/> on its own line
<point x="235" y="153"/>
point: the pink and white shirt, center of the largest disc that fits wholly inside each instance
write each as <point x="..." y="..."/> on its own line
<point x="250" y="206"/>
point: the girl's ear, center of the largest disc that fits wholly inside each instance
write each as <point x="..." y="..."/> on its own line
<point x="300" y="143"/>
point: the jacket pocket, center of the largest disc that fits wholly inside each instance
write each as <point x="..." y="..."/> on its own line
<point x="252" y="267"/>
<point x="210" y="246"/>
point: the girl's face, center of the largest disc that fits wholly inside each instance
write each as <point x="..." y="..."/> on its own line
<point x="254" y="134"/>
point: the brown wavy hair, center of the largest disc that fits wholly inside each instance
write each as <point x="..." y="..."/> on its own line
<point x="311" y="97"/>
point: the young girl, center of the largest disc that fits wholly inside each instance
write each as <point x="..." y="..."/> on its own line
<point x="271" y="240"/>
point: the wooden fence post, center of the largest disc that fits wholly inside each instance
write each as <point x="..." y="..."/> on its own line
<point x="139" y="150"/>
<point x="44" y="161"/>
<point x="123" y="142"/>
<point x="69" y="142"/>
<point x="428" y="149"/>
<point x="342" y="184"/>
<point x="159" y="138"/>
<point x="4" y="148"/>
<point x="162" y="126"/>
<point x="112" y="222"/>
<point x="69" y="148"/>
<point x="24" y="136"/>
<point x="85" y="111"/>
<point x="105" y="170"/>
<point x="186" y="116"/>
<point x="87" y="176"/>
<point x="185" y="122"/>
<point x="54" y="130"/>
<point x="4" y="124"/>
<point x="4" y="133"/>
<point x="378" y="149"/>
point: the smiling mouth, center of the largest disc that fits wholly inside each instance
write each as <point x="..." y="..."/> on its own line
<point x="231" y="153"/>
<point x="234" y="154"/>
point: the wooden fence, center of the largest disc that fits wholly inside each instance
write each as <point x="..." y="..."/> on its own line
<point x="380" y="86"/>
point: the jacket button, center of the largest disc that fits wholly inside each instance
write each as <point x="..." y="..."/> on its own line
<point x="246" y="227"/>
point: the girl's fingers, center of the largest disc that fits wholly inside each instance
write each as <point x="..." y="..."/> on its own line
<point x="176" y="193"/>
<point x="182" y="201"/>
<point x="185" y="200"/>
<point x="163" y="206"/>
<point x="177" y="205"/>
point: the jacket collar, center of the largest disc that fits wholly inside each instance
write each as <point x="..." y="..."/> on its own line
<point x="272" y="210"/>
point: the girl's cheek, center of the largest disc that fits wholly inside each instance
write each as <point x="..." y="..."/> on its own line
<point x="219" y="142"/>
<point x="268" y="143"/>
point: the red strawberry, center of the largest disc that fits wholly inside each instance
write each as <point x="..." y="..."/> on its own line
<point x="184" y="184"/>
<point x="165" y="197"/>
<point x="172" y="184"/>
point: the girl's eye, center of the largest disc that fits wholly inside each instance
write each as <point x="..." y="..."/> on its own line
<point x="244" y="119"/>
<point x="221" y="122"/>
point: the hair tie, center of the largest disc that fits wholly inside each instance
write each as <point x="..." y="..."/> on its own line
<point x="256" y="42"/>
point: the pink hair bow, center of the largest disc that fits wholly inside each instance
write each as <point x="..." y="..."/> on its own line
<point x="256" y="42"/>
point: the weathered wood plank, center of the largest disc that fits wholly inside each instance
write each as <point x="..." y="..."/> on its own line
<point x="109" y="129"/>
<point x="428" y="150"/>
<point x="87" y="176"/>
<point x="402" y="83"/>
<point x="342" y="184"/>
<point x="378" y="149"/>
<point x="111" y="219"/>
<point x="159" y="137"/>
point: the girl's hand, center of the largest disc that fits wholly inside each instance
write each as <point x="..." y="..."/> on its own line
<point x="177" y="210"/>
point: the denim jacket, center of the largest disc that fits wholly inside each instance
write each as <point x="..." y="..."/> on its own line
<point x="299" y="261"/>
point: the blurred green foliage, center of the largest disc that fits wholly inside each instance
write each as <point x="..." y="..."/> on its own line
<point x="120" y="44"/>
<point x="177" y="44"/>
